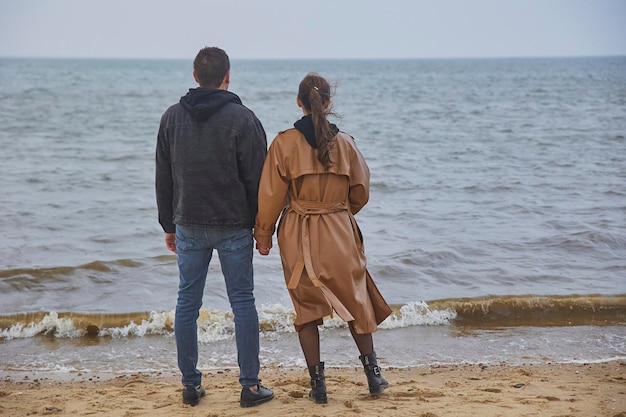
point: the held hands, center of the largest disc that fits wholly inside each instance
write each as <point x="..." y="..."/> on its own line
<point x="170" y="243"/>
<point x="264" y="251"/>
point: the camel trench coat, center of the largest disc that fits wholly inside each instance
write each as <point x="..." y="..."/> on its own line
<point x="321" y="247"/>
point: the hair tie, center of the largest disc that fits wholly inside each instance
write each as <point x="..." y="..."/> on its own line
<point x="316" y="89"/>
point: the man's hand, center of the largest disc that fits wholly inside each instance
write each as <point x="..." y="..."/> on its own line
<point x="170" y="241"/>
<point x="262" y="250"/>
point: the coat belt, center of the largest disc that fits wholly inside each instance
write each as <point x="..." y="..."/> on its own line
<point x="306" y="209"/>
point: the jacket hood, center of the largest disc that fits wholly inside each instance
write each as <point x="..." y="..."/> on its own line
<point x="202" y="103"/>
<point x="305" y="126"/>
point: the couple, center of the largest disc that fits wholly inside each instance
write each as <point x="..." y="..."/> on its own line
<point x="216" y="180"/>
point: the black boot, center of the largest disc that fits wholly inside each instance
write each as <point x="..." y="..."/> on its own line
<point x="318" y="384"/>
<point x="375" y="380"/>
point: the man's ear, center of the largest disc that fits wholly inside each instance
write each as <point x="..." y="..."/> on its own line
<point x="226" y="81"/>
<point x="195" y="77"/>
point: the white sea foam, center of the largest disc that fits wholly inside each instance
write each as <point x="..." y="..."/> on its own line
<point x="418" y="313"/>
<point x="216" y="325"/>
<point x="276" y="318"/>
<point x="50" y="324"/>
<point x="158" y="323"/>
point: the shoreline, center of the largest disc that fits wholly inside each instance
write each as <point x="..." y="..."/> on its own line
<point x="550" y="389"/>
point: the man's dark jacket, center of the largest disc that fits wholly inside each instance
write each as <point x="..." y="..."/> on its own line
<point x="209" y="157"/>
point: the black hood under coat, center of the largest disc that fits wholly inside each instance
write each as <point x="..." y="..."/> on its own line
<point x="305" y="126"/>
<point x="202" y="103"/>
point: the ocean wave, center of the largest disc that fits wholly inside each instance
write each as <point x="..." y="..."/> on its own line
<point x="532" y="310"/>
<point x="213" y="325"/>
<point x="418" y="314"/>
<point x="216" y="325"/>
<point x="46" y="273"/>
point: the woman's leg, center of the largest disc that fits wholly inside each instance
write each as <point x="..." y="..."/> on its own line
<point x="364" y="342"/>
<point x="310" y="343"/>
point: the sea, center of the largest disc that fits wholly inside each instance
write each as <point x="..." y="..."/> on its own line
<point x="496" y="226"/>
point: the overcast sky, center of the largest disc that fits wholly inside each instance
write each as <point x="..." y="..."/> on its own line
<point x="312" y="29"/>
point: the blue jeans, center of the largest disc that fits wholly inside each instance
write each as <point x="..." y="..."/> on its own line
<point x="234" y="247"/>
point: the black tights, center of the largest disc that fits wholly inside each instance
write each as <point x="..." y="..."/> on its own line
<point x="310" y="342"/>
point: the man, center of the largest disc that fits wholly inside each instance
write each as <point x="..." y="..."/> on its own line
<point x="209" y="157"/>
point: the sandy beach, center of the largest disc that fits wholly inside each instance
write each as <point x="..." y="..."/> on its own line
<point x="556" y="390"/>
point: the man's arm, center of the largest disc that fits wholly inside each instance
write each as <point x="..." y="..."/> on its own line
<point x="251" y="152"/>
<point x="164" y="184"/>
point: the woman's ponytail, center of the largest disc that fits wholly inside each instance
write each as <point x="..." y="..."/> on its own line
<point x="314" y="93"/>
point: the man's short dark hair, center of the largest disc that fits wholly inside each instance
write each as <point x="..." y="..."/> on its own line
<point x="211" y="65"/>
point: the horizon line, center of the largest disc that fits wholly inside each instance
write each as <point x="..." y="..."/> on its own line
<point x="318" y="58"/>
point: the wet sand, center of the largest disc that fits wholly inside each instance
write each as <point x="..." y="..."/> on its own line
<point x="556" y="390"/>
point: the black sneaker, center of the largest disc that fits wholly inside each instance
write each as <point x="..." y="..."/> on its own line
<point x="251" y="398"/>
<point x="192" y="395"/>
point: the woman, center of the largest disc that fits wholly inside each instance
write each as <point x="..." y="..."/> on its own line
<point x="315" y="175"/>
